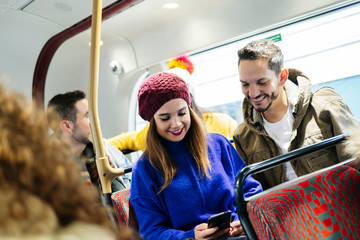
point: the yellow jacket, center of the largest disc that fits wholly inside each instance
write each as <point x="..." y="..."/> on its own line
<point x="214" y="122"/>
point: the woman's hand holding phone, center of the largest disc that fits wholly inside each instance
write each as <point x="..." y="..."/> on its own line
<point x="221" y="220"/>
<point x="202" y="232"/>
<point x="236" y="229"/>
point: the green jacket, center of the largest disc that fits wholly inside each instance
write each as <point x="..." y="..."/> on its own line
<point x="318" y="114"/>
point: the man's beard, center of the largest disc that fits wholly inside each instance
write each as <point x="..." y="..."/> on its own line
<point x="78" y="137"/>
<point x="273" y="97"/>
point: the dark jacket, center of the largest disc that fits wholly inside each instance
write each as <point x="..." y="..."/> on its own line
<point x="318" y="114"/>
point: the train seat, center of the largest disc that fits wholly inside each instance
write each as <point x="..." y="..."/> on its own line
<point x="125" y="213"/>
<point x="323" y="205"/>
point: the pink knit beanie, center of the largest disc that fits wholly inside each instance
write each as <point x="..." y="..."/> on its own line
<point x="157" y="90"/>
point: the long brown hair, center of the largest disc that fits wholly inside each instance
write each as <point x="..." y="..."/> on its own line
<point x="195" y="141"/>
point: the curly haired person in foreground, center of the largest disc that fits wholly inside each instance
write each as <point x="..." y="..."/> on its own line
<point x="41" y="192"/>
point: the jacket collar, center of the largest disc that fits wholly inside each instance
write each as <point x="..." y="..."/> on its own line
<point x="298" y="90"/>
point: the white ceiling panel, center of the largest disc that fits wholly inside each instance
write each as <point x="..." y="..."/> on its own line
<point x="62" y="12"/>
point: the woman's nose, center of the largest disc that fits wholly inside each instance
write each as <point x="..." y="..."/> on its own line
<point x="175" y="122"/>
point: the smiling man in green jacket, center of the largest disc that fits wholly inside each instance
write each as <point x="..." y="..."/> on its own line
<point x="281" y="114"/>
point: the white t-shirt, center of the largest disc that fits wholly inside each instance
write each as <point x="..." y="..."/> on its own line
<point x="281" y="133"/>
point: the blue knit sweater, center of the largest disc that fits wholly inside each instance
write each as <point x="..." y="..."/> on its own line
<point x="189" y="200"/>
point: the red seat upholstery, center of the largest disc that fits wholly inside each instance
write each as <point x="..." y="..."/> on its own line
<point x="124" y="211"/>
<point x="323" y="205"/>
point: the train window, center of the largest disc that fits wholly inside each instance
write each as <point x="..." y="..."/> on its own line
<point x="322" y="47"/>
<point x="139" y="122"/>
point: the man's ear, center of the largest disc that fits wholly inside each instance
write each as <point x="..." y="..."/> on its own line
<point x="66" y="126"/>
<point x="284" y="74"/>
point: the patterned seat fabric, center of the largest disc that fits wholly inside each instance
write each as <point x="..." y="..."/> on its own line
<point x="125" y="213"/>
<point x="322" y="205"/>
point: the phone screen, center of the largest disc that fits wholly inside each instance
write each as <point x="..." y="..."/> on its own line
<point x="222" y="220"/>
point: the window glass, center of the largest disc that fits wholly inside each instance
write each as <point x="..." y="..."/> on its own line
<point x="325" y="48"/>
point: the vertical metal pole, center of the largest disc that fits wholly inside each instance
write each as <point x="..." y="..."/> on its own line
<point x="101" y="159"/>
<point x="106" y="173"/>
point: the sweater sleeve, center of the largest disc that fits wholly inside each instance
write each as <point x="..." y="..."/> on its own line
<point x="251" y="186"/>
<point x="154" y="223"/>
<point x="232" y="164"/>
<point x="220" y="123"/>
<point x="130" y="140"/>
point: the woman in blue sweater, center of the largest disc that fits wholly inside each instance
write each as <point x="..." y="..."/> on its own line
<point x="185" y="175"/>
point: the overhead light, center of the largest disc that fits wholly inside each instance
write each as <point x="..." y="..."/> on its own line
<point x="170" y="5"/>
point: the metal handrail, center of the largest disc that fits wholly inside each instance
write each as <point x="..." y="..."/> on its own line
<point x="106" y="173"/>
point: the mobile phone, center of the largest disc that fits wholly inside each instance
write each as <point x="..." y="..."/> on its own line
<point x="221" y="220"/>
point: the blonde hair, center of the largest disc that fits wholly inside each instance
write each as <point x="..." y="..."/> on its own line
<point x="195" y="141"/>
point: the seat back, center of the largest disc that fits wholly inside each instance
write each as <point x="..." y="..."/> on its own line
<point x="270" y="227"/>
<point x="125" y="213"/>
<point x="323" y="205"/>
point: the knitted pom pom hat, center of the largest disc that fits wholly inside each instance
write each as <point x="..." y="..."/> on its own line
<point x="183" y="67"/>
<point x="157" y="90"/>
<point x="182" y="73"/>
